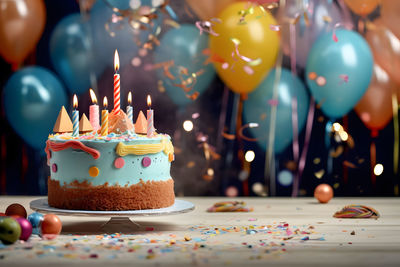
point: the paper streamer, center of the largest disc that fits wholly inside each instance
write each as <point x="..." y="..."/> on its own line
<point x="357" y="212"/>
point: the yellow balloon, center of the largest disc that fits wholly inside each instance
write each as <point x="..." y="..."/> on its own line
<point x="247" y="28"/>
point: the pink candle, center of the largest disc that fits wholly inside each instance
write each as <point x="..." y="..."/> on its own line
<point x="117" y="93"/>
<point x="94" y="112"/>
<point x="150" y="119"/>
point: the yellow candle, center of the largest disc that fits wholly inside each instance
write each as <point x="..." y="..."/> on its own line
<point x="104" y="118"/>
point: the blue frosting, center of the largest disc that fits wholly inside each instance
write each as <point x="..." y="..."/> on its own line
<point x="73" y="165"/>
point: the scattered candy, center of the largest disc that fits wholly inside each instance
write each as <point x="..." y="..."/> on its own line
<point x="35" y="219"/>
<point x="323" y="193"/>
<point x="16" y="209"/>
<point x="229" y="206"/>
<point x="26" y="228"/>
<point x="51" y="226"/>
<point x="357" y="212"/>
<point x="10" y="230"/>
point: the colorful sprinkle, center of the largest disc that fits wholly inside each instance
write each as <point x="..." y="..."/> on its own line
<point x="54" y="167"/>
<point x="119" y="162"/>
<point x="94" y="171"/>
<point x="146" y="162"/>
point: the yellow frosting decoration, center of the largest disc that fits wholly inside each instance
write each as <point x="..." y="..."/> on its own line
<point x="165" y="146"/>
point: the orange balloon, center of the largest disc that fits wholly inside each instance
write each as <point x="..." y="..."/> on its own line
<point x="207" y="9"/>
<point x="385" y="47"/>
<point x="362" y="7"/>
<point x="21" y="25"/>
<point x="390" y="11"/>
<point x="375" y="107"/>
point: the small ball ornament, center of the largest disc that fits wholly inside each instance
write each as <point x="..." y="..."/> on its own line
<point x="10" y="230"/>
<point x="323" y="193"/>
<point x="16" y="209"/>
<point x="26" y="228"/>
<point x="35" y="219"/>
<point x="51" y="226"/>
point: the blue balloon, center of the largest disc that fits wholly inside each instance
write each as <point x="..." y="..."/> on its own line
<point x="71" y="54"/>
<point x="184" y="46"/>
<point x="33" y="97"/>
<point x="258" y="109"/>
<point x="343" y="71"/>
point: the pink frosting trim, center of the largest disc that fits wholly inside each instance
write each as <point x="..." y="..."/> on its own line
<point x="55" y="146"/>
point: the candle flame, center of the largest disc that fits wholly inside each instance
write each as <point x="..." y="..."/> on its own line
<point x="149" y="101"/>
<point x="105" y="102"/>
<point x="93" y="96"/>
<point x="116" y="60"/>
<point x="129" y="98"/>
<point x="75" y="102"/>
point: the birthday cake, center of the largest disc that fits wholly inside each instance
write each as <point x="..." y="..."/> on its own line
<point x="118" y="168"/>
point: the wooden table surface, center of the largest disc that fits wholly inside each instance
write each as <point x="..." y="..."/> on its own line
<point x="280" y="231"/>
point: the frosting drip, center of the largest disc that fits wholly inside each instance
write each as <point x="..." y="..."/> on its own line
<point x="165" y="146"/>
<point x="55" y="146"/>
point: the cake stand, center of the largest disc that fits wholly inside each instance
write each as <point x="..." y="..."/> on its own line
<point x="121" y="218"/>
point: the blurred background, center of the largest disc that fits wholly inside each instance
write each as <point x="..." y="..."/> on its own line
<point x="261" y="98"/>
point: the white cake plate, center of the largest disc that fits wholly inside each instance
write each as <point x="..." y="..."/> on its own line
<point x="117" y="217"/>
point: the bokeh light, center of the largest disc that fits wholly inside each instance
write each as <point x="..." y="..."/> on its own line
<point x="378" y="169"/>
<point x="249" y="156"/>
<point x="188" y="125"/>
<point x="285" y="178"/>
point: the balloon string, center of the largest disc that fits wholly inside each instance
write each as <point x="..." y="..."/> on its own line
<point x="396" y="139"/>
<point x="245" y="185"/>
<point x="222" y="118"/>
<point x="295" y="143"/>
<point x="303" y="157"/>
<point x="373" y="162"/>
<point x="269" y="170"/>
<point x="292" y="28"/>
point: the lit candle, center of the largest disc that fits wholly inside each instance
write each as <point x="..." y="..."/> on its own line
<point x="75" y="117"/>
<point x="104" y="118"/>
<point x="117" y="92"/>
<point x="94" y="111"/>
<point x="129" y="109"/>
<point x="150" y="119"/>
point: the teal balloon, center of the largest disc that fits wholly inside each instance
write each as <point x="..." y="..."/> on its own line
<point x="346" y="66"/>
<point x="32" y="99"/>
<point x="71" y="54"/>
<point x="257" y="109"/>
<point x="184" y="46"/>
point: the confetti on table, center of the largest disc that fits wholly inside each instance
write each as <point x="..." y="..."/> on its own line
<point x="357" y="212"/>
<point x="229" y="206"/>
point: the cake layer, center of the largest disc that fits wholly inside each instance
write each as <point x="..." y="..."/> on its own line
<point x="112" y="161"/>
<point x="85" y="196"/>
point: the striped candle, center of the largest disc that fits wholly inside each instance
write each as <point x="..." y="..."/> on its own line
<point x="104" y="119"/>
<point x="150" y="119"/>
<point x="75" y="118"/>
<point x="129" y="109"/>
<point x="117" y="92"/>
